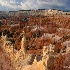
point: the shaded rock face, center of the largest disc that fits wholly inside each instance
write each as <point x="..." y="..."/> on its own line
<point x="62" y="62"/>
<point x="66" y="64"/>
<point x="58" y="62"/>
<point x="5" y="63"/>
<point x="50" y="63"/>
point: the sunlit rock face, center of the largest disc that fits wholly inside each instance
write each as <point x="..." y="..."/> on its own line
<point x="5" y="62"/>
<point x="37" y="65"/>
<point x="46" y="63"/>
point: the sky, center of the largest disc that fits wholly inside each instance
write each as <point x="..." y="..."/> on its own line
<point x="12" y="5"/>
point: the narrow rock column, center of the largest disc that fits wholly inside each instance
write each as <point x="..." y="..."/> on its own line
<point x="4" y="40"/>
<point x="23" y="44"/>
<point x="45" y="56"/>
<point x="35" y="61"/>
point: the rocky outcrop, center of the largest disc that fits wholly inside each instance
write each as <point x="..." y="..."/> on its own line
<point x="5" y="62"/>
